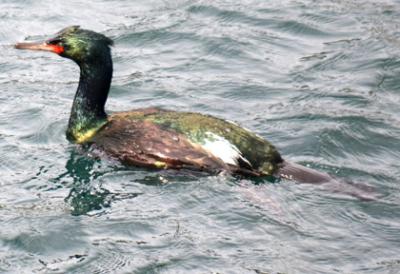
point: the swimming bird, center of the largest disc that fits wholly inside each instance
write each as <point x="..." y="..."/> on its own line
<point x="153" y="137"/>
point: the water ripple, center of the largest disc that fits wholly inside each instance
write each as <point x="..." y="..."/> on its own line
<point x="317" y="79"/>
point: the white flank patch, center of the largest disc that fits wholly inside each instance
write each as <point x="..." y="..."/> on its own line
<point x="223" y="149"/>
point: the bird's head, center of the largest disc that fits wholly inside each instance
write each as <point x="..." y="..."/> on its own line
<point x="78" y="44"/>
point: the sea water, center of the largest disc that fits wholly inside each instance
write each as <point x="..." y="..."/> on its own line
<point x="318" y="79"/>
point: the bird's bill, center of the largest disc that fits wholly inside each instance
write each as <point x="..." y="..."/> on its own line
<point x="43" y="46"/>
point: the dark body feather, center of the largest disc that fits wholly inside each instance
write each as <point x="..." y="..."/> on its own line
<point x="168" y="139"/>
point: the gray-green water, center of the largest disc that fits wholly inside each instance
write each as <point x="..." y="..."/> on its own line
<point x="319" y="79"/>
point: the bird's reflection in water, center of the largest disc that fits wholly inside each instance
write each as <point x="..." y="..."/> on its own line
<point x="86" y="191"/>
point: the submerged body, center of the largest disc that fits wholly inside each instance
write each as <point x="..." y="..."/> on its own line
<point x="154" y="137"/>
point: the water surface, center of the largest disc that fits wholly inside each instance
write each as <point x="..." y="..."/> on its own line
<point x="319" y="79"/>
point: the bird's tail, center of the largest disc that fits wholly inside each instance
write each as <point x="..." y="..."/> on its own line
<point x="304" y="174"/>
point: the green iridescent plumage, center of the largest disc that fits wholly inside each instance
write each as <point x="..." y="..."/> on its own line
<point x="81" y="46"/>
<point x="91" y="51"/>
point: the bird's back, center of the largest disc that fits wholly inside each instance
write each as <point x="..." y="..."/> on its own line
<point x="169" y="139"/>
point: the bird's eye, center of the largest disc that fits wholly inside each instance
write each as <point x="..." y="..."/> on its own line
<point x="54" y="41"/>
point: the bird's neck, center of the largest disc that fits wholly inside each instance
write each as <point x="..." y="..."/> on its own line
<point x="87" y="114"/>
